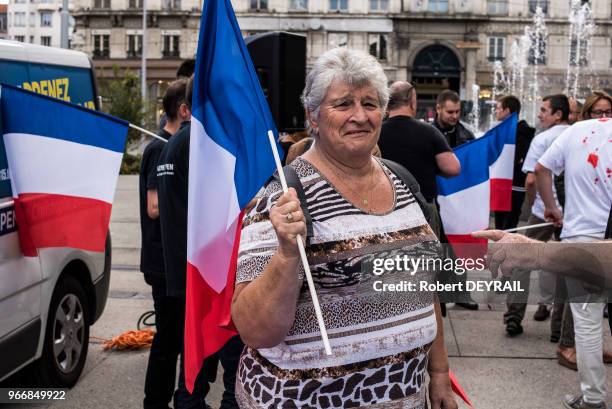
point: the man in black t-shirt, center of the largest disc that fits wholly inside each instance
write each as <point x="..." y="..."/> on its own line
<point x="173" y="177"/>
<point x="166" y="346"/>
<point x="448" y="112"/>
<point x="416" y="145"/>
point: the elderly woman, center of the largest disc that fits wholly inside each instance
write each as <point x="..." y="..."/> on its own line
<point x="597" y="105"/>
<point x="382" y="342"/>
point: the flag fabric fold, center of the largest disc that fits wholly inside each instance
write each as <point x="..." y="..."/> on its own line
<point x="230" y="159"/>
<point x="484" y="185"/>
<point x="64" y="162"/>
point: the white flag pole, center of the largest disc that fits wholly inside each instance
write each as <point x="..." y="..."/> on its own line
<point x="139" y="129"/>
<point x="311" y="287"/>
<point x="533" y="226"/>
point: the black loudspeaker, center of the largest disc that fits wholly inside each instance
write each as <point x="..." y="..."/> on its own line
<point x="280" y="61"/>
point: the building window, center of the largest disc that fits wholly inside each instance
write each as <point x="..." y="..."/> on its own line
<point x="337" y="40"/>
<point x="534" y="4"/>
<point x="540" y="58"/>
<point x="378" y="45"/>
<point x="170" y="45"/>
<point x="101" y="45"/>
<point x="578" y="59"/>
<point x="379" y="5"/>
<point x="258" y="5"/>
<point x="338" y="5"/>
<point x="20" y="1"/>
<point x="31" y="39"/>
<point x="21" y="39"/>
<point x="169" y="4"/>
<point x="438" y="6"/>
<point x="45" y="40"/>
<point x="32" y="20"/>
<point x="102" y="4"/>
<point x="298" y="5"/>
<point x="20" y="20"/>
<point x="497" y="6"/>
<point x="134" y="45"/>
<point x="46" y="19"/>
<point x="496" y="48"/>
<point x="135" y="4"/>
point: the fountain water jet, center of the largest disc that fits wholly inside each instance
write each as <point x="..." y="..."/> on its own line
<point x="581" y="30"/>
<point x="499" y="88"/>
<point x="537" y="34"/>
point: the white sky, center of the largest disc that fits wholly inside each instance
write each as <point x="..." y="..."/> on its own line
<point x="3" y="1"/>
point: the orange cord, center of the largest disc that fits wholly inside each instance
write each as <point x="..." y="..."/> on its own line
<point x="129" y="340"/>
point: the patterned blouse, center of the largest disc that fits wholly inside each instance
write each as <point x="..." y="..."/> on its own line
<point x="380" y="340"/>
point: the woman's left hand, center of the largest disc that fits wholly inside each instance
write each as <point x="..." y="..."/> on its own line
<point x="440" y="392"/>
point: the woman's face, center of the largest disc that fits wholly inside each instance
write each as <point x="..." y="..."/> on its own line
<point x="601" y="109"/>
<point x="349" y="119"/>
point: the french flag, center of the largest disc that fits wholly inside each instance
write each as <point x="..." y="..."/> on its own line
<point x="230" y="159"/>
<point x="484" y="185"/>
<point x="64" y="162"/>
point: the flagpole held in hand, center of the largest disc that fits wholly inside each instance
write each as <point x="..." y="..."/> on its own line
<point x="533" y="226"/>
<point x="300" y="243"/>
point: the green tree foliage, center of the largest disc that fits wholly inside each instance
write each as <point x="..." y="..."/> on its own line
<point x="122" y="98"/>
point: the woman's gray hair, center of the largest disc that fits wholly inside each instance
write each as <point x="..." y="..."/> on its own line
<point x="355" y="68"/>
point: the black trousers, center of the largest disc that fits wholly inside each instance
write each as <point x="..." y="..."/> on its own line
<point x="229" y="357"/>
<point x="509" y="220"/>
<point x="167" y="345"/>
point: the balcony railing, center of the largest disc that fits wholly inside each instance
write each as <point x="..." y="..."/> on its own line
<point x="134" y="54"/>
<point x="101" y="54"/>
<point x="170" y="53"/>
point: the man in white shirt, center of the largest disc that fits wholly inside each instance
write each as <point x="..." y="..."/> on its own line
<point x="584" y="152"/>
<point x="553" y="117"/>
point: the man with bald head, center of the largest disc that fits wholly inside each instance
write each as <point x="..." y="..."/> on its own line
<point x="416" y="145"/>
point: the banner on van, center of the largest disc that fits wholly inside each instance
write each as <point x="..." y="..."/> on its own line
<point x="64" y="162"/>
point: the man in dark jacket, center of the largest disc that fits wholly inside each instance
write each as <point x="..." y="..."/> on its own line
<point x="166" y="346"/>
<point x="172" y="177"/>
<point x="506" y="106"/>
<point x="448" y="112"/>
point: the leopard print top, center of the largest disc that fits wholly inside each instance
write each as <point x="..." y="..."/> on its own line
<point x="380" y="340"/>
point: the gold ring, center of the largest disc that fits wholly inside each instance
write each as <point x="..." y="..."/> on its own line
<point x="289" y="217"/>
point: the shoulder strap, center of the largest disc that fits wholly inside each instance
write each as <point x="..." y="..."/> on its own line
<point x="293" y="180"/>
<point x="412" y="184"/>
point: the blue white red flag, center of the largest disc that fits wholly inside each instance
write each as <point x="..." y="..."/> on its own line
<point x="230" y="159"/>
<point x="64" y="162"/>
<point x="484" y="185"/>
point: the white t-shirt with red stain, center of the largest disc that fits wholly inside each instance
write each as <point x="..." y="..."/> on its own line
<point x="539" y="145"/>
<point x="584" y="151"/>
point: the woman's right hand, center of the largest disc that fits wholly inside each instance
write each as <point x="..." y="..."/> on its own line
<point x="288" y="221"/>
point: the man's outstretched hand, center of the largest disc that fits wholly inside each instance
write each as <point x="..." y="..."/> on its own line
<point x="509" y="251"/>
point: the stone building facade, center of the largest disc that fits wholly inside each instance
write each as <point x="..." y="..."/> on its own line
<point x="3" y="22"/>
<point x="436" y="44"/>
<point x="36" y="21"/>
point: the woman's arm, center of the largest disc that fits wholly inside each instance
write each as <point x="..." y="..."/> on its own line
<point x="263" y="310"/>
<point x="440" y="391"/>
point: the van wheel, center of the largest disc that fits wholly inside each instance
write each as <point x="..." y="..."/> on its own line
<point x="66" y="337"/>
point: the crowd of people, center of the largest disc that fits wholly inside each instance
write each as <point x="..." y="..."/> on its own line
<point x="353" y="203"/>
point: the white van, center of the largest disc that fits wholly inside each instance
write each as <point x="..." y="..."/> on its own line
<point x="47" y="303"/>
